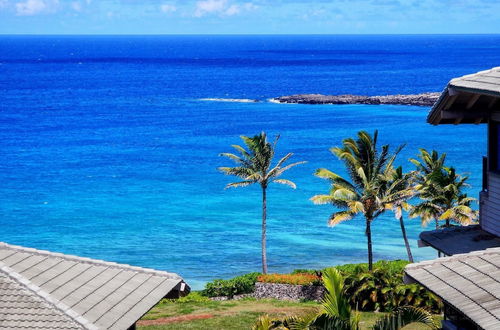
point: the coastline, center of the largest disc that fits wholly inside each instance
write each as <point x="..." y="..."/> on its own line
<point x="423" y="99"/>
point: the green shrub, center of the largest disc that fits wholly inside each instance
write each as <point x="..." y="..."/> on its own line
<point x="393" y="266"/>
<point x="238" y="285"/>
<point x="304" y="271"/>
<point x="193" y="296"/>
<point x="418" y="296"/>
<point x="295" y="279"/>
<point x="383" y="289"/>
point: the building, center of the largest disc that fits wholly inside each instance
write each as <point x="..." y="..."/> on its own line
<point x="468" y="280"/>
<point x="46" y="290"/>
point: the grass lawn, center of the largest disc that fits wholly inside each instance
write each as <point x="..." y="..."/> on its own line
<point x="199" y="313"/>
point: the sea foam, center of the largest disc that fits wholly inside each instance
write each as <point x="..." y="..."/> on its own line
<point x="229" y="100"/>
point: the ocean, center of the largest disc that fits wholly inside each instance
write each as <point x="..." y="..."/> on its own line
<point x="109" y="146"/>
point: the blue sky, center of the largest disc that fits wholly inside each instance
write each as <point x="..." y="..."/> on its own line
<point x="248" y="16"/>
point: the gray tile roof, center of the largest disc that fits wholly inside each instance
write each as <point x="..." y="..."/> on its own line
<point x="484" y="82"/>
<point x="468" y="99"/>
<point x="460" y="239"/>
<point x="469" y="282"/>
<point x="22" y="308"/>
<point x="41" y="289"/>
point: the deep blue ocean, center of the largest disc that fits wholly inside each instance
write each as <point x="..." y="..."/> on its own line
<point x="107" y="150"/>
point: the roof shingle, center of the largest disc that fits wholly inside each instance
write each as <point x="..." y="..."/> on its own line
<point x="469" y="282"/>
<point x="56" y="290"/>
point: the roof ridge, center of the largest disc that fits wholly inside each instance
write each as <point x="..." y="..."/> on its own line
<point x="497" y="68"/>
<point x="46" y="297"/>
<point x="425" y="263"/>
<point x="89" y="260"/>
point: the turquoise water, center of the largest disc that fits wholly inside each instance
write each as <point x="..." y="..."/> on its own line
<point x="108" y="152"/>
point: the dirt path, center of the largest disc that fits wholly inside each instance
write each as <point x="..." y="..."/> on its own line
<point x="174" y="319"/>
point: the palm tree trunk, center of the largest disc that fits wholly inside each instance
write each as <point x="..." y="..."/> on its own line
<point x="369" y="241"/>
<point x="403" y="230"/>
<point x="264" y="216"/>
<point x="437" y="227"/>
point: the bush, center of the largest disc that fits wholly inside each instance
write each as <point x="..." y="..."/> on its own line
<point x="296" y="279"/>
<point x="305" y="271"/>
<point x="192" y="297"/>
<point x="383" y="289"/>
<point x="393" y="266"/>
<point x="418" y="296"/>
<point x="228" y="288"/>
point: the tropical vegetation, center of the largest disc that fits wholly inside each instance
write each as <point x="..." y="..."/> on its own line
<point x="254" y="167"/>
<point x="441" y="192"/>
<point x="336" y="312"/>
<point x="381" y="290"/>
<point x="372" y="186"/>
<point x="228" y="288"/>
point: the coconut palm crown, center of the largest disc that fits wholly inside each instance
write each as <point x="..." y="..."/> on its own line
<point x="371" y="188"/>
<point x="441" y="191"/>
<point x="254" y="167"/>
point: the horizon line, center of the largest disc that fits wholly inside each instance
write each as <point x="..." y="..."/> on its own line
<point x="249" y="34"/>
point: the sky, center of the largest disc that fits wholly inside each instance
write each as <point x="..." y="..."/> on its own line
<point x="249" y="16"/>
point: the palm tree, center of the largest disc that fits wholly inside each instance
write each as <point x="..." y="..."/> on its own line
<point x="440" y="189"/>
<point x="335" y="313"/>
<point x="428" y="163"/>
<point x="403" y="183"/>
<point x="254" y="166"/>
<point x="371" y="189"/>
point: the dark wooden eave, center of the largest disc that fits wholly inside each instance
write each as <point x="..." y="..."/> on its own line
<point x="469" y="99"/>
<point x="462" y="239"/>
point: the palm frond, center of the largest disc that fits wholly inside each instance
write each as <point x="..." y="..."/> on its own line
<point x="281" y="170"/>
<point x="284" y="159"/>
<point x="322" y="199"/>
<point x="285" y="182"/>
<point x="344" y="194"/>
<point x="232" y="156"/>
<point x="339" y="217"/>
<point x="242" y="172"/>
<point x="404" y="316"/>
<point x="334" y="302"/>
<point x="239" y="184"/>
<point x="242" y="150"/>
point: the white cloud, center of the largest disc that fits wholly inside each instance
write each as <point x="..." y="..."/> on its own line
<point x="209" y="7"/>
<point x="249" y="6"/>
<point x="3" y="3"/>
<point x="221" y="7"/>
<point x="77" y="6"/>
<point x="167" y="8"/>
<point x="33" y="7"/>
<point x="232" y="10"/>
